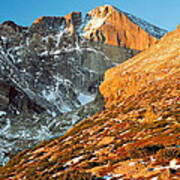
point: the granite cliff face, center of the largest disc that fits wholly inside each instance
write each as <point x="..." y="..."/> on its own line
<point x="113" y="26"/>
<point x="50" y="70"/>
<point x="136" y="136"/>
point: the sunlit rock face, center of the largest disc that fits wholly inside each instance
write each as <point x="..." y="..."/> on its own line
<point x="113" y="26"/>
<point x="135" y="136"/>
<point x="54" y="67"/>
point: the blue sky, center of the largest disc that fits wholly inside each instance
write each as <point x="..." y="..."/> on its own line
<point x="164" y="13"/>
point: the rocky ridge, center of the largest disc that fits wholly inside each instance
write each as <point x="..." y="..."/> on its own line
<point x="109" y="25"/>
<point x="136" y="136"/>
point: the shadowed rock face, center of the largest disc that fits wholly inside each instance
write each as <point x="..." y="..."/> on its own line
<point x="56" y="70"/>
<point x="11" y="100"/>
<point x="136" y="136"/>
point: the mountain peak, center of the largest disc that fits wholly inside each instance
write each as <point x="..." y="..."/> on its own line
<point x="102" y="10"/>
<point x="11" y="24"/>
<point x="115" y="27"/>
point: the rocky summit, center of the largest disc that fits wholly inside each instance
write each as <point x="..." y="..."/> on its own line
<point x="136" y="136"/>
<point x="113" y="26"/>
<point x="50" y="71"/>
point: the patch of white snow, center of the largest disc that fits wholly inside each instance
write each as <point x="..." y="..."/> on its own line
<point x="2" y="113"/>
<point x="84" y="99"/>
<point x="95" y="23"/>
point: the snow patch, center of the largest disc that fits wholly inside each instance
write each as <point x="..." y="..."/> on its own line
<point x="132" y="163"/>
<point x="154" y="178"/>
<point x="84" y="99"/>
<point x="172" y="164"/>
<point x="95" y="23"/>
<point x="2" y="113"/>
<point x="6" y="128"/>
<point x="51" y="96"/>
<point x="45" y="53"/>
<point x="74" y="161"/>
<point x="65" y="108"/>
<point x="59" y="36"/>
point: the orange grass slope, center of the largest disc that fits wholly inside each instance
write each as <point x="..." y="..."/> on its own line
<point x="137" y="136"/>
<point x="155" y="65"/>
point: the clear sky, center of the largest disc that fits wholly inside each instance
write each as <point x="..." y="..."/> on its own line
<point x="164" y="13"/>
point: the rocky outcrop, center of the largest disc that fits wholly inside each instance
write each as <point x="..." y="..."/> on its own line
<point x="70" y="23"/>
<point x="13" y="101"/>
<point x="47" y="76"/>
<point x="4" y="93"/>
<point x="47" y="67"/>
<point x="14" y="26"/>
<point x="10" y="28"/>
<point x="47" y="24"/>
<point x="73" y="21"/>
<point x="136" y="136"/>
<point x="34" y="54"/>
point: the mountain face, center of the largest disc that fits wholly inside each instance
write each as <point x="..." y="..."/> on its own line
<point x="136" y="136"/>
<point x="58" y="60"/>
<point x="52" y="64"/>
<point x="50" y="70"/>
<point x="112" y="26"/>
